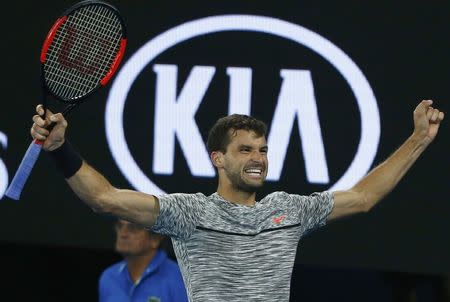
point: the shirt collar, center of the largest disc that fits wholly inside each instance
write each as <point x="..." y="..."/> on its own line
<point x="154" y="264"/>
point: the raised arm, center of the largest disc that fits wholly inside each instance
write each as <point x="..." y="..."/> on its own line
<point x="89" y="184"/>
<point x="382" y="179"/>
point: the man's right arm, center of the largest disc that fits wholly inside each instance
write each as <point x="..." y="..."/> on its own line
<point x="90" y="185"/>
<point x="102" y="197"/>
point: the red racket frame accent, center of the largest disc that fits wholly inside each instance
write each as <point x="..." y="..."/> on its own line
<point x="116" y="63"/>
<point x="50" y="36"/>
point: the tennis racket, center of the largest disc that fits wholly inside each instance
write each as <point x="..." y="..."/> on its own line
<point x="80" y="54"/>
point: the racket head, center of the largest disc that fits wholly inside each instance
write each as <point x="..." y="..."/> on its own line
<point x="82" y="51"/>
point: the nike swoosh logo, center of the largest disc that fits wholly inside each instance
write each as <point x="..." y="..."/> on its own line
<point x="278" y="220"/>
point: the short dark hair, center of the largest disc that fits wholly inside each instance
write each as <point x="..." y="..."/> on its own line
<point x="219" y="136"/>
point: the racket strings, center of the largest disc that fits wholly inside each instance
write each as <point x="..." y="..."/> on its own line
<point x="83" y="80"/>
<point x="86" y="40"/>
<point x="90" y="39"/>
<point x="82" y="52"/>
<point x="105" y="31"/>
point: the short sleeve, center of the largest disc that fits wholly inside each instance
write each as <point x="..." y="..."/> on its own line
<point x="314" y="209"/>
<point x="101" y="289"/>
<point x="179" y="214"/>
<point x="105" y="282"/>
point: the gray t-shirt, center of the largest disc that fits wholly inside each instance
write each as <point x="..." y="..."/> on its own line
<point x="230" y="252"/>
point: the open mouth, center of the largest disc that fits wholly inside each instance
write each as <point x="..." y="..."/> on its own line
<point x="254" y="172"/>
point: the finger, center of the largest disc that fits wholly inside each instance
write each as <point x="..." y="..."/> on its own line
<point x="48" y="113"/>
<point x="59" y="119"/>
<point x="434" y="116"/>
<point x="430" y="113"/>
<point x="36" y="135"/>
<point x="441" y="116"/>
<point x="424" y="105"/>
<point x="40" y="130"/>
<point x="37" y="119"/>
<point x="40" y="110"/>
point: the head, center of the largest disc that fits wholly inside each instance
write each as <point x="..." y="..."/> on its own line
<point x="133" y="240"/>
<point x="238" y="148"/>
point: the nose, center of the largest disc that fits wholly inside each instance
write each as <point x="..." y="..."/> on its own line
<point x="123" y="232"/>
<point x="257" y="156"/>
<point x="123" y="229"/>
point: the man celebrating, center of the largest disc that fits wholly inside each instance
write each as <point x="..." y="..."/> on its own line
<point x="231" y="247"/>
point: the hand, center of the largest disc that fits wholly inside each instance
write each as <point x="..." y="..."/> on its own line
<point x="54" y="138"/>
<point x="427" y="120"/>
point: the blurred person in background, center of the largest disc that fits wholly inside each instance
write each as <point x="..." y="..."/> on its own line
<point x="145" y="274"/>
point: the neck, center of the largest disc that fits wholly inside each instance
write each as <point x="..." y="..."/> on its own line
<point x="138" y="263"/>
<point x="231" y="194"/>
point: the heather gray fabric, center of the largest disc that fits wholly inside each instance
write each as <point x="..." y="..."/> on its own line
<point x="229" y="252"/>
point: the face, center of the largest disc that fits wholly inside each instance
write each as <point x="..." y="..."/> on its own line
<point x="245" y="162"/>
<point x="133" y="240"/>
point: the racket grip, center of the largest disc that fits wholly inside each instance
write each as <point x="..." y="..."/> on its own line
<point x="20" y="178"/>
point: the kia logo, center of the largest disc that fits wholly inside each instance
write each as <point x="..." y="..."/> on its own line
<point x="296" y="101"/>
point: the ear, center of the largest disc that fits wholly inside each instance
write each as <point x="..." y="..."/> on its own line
<point x="217" y="158"/>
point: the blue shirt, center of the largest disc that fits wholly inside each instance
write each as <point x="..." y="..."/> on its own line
<point x="160" y="282"/>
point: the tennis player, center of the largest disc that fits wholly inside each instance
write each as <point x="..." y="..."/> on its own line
<point x="230" y="246"/>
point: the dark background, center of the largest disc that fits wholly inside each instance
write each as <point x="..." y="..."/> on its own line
<point x="55" y="247"/>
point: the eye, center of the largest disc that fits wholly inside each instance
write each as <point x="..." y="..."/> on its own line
<point x="245" y="149"/>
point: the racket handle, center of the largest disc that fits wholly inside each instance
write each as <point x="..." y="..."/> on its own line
<point x="20" y="178"/>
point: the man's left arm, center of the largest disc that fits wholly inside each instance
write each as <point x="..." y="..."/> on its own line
<point x="382" y="179"/>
